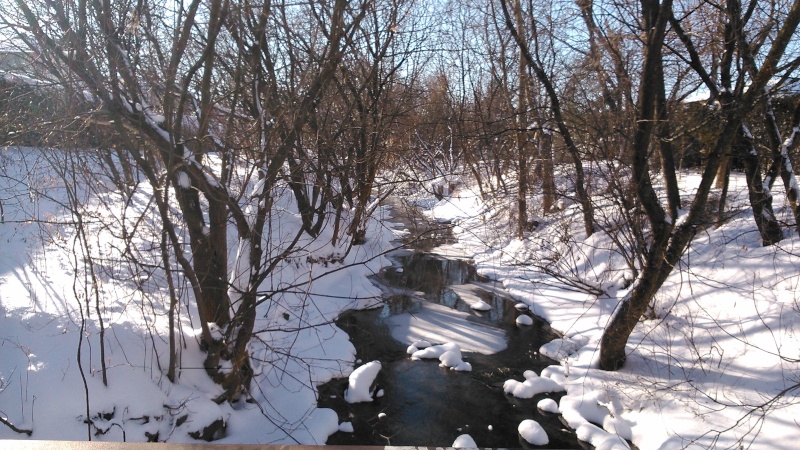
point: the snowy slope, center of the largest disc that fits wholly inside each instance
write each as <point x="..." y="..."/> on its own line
<point x="716" y="366"/>
<point x="43" y="293"/>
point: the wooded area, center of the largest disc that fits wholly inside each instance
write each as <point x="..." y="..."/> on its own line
<point x="224" y="107"/>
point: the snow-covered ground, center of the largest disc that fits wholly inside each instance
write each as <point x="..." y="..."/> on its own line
<point x="43" y="303"/>
<point x="715" y="366"/>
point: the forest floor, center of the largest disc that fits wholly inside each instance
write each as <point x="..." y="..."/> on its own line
<point x="716" y="364"/>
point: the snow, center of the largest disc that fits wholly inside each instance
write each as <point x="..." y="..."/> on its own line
<point x="359" y="388"/>
<point x="448" y="354"/>
<point x="532" y="432"/>
<point x="417" y="345"/>
<point x="435" y="351"/>
<point x="437" y="323"/>
<point x="452" y="358"/>
<point x="183" y="179"/>
<point x="600" y="439"/>
<point x="467" y="293"/>
<point x="533" y="385"/>
<point x="548" y="405"/>
<point x="712" y="365"/>
<point x="559" y="349"/>
<point x="480" y="306"/>
<point x="41" y="386"/>
<point x="524" y="320"/>
<point x="464" y="441"/>
<point x="346" y="427"/>
<point x="715" y="364"/>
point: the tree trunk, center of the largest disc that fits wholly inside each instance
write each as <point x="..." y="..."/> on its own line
<point x="665" y="251"/>
<point x="759" y="194"/>
<point x="632" y="307"/>
<point x="722" y="173"/>
<point x="547" y="169"/>
<point x="210" y="263"/>
<point x="665" y="147"/>
<point x="656" y="268"/>
<point x="725" y="180"/>
<point x="522" y="135"/>
<point x="782" y="164"/>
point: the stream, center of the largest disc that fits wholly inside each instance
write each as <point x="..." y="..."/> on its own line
<point x="427" y="405"/>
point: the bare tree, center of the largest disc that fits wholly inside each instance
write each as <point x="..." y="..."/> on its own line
<point x="669" y="240"/>
<point x="532" y="60"/>
<point x="222" y="94"/>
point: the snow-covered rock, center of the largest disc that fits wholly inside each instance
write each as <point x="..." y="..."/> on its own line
<point x="417" y="345"/>
<point x="524" y="320"/>
<point x="359" y="388"/>
<point x="559" y="349"/>
<point x="449" y="355"/>
<point x="532" y="432"/>
<point x="434" y="351"/>
<point x="532" y="385"/>
<point x="451" y="358"/>
<point x="548" y="405"/>
<point x="481" y="305"/>
<point x="464" y="441"/>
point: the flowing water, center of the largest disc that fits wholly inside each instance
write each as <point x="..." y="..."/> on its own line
<point x="427" y="405"/>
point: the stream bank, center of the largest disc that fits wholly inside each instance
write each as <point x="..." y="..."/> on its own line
<point x="425" y="404"/>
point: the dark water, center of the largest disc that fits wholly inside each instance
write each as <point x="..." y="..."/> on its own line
<point x="424" y="404"/>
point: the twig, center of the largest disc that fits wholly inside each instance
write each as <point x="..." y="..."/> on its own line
<point x="14" y="428"/>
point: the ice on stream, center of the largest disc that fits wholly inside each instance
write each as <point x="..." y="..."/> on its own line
<point x="437" y="323"/>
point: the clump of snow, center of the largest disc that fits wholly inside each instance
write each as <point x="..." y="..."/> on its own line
<point x="453" y="359"/>
<point x="584" y="409"/>
<point x="468" y="293"/>
<point x="556" y="373"/>
<point x="592" y="405"/>
<point x="521" y="306"/>
<point x="346" y="427"/>
<point x="183" y="179"/>
<point x="381" y="415"/>
<point x="533" y="385"/>
<point x="532" y="432"/>
<point x="417" y="345"/>
<point x="599" y="438"/>
<point x="449" y="355"/>
<point x="524" y="320"/>
<point x="548" y="405"/>
<point x="359" y="388"/>
<point x="434" y="351"/>
<point x="205" y="413"/>
<point x="481" y="305"/>
<point x="559" y="349"/>
<point x="464" y="441"/>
